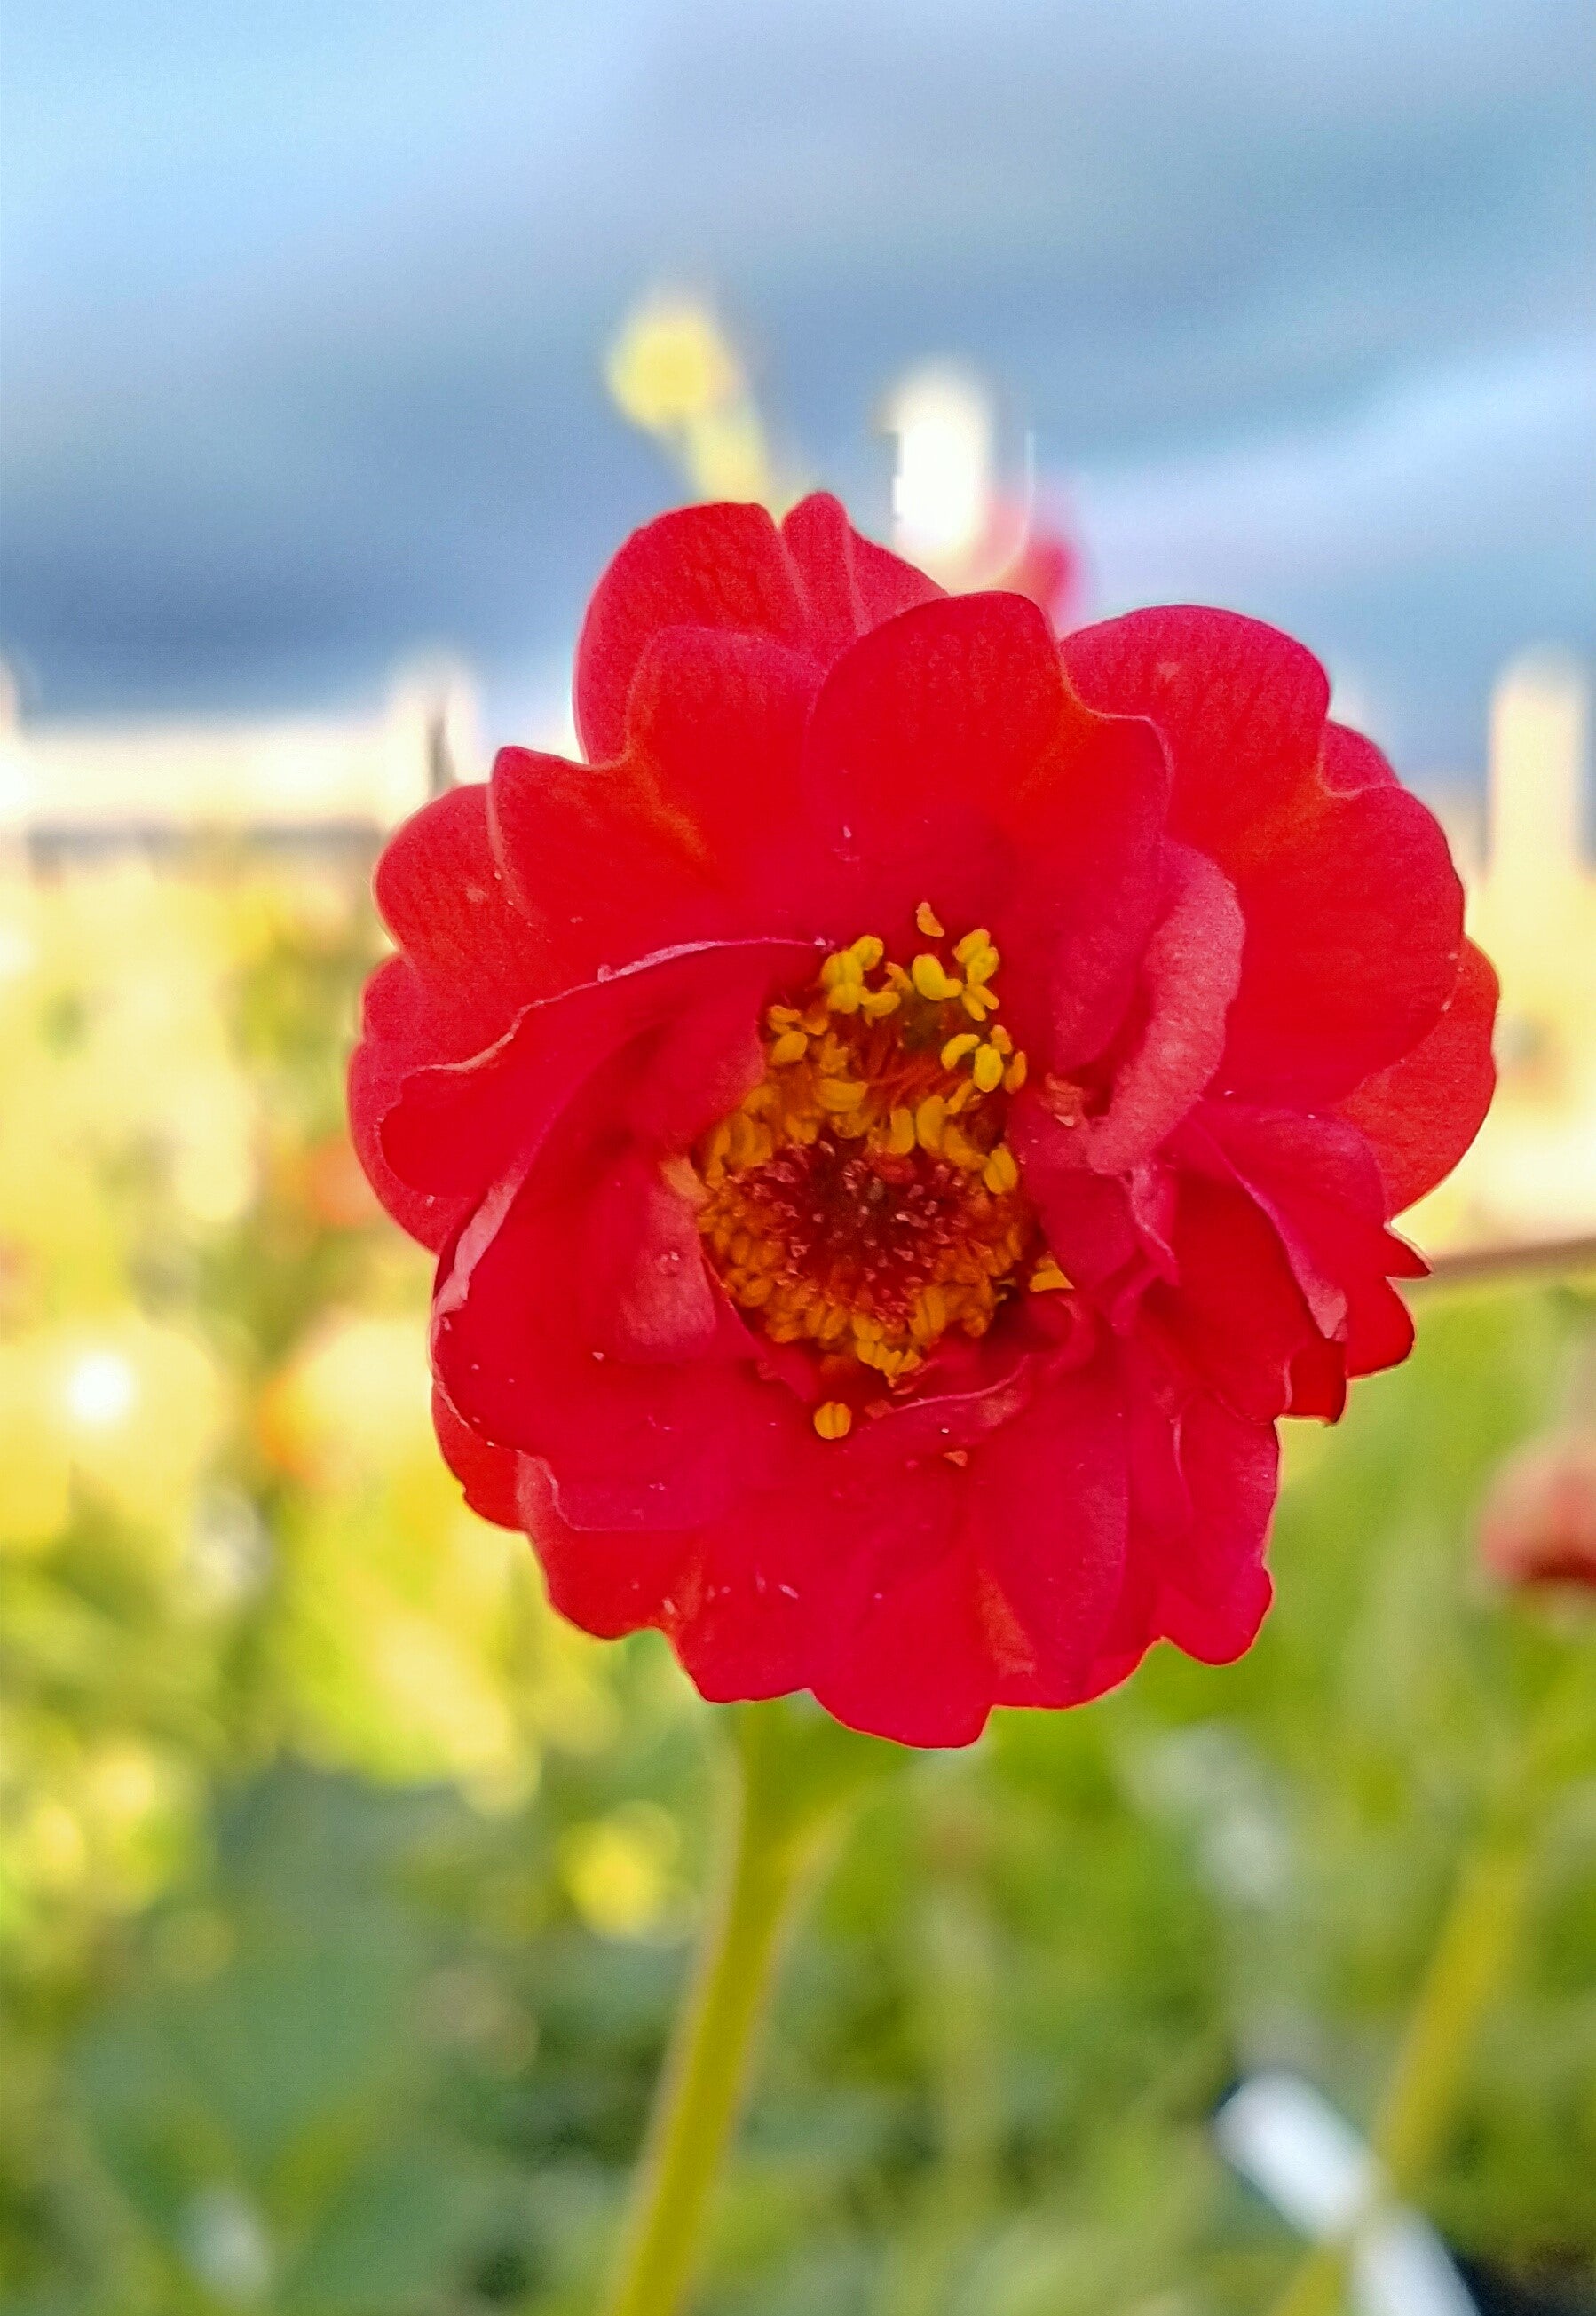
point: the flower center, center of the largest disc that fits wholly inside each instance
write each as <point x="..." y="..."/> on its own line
<point x="862" y="1199"/>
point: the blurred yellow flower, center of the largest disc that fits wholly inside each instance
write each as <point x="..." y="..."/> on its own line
<point x="131" y="1410"/>
<point x="353" y="1400"/>
<point x="671" y="363"/>
<point x="673" y="371"/>
<point x="141" y="1407"/>
<point x="35" y="1461"/>
<point x="621" y="1872"/>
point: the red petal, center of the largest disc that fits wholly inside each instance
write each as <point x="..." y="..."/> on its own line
<point x="1237" y="1319"/>
<point x="782" y="1584"/>
<point x="691" y="834"/>
<point x="1317" y="1182"/>
<point x="1047" y="1509"/>
<point x="814" y="585"/>
<point x="1239" y="707"/>
<point x="572" y="1319"/>
<point x="1354" y="931"/>
<point x="1422" y="1114"/>
<point x="1204" y="1482"/>
<point x="947" y="761"/>
<point x="1354" y="912"/>
<point x="849" y="585"/>
<point x="627" y="1445"/>
<point x="490" y="1476"/>
<point x="686" y="1021"/>
<point x="701" y="566"/>
<point x="401" y="1032"/>
<point x="607" y="1584"/>
<point x="647" y="1289"/>
<point x="922" y="735"/>
<point x="443" y="896"/>
<point x="1214" y="1591"/>
<point x="918" y="1668"/>
<point x="1351" y="763"/>
<point x="1190" y="971"/>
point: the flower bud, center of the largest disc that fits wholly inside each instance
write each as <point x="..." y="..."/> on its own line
<point x="1537" y="1527"/>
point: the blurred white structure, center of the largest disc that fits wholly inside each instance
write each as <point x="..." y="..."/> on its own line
<point x="1532" y="908"/>
<point x="1294" y="2147"/>
<point x="945" y="488"/>
<point x="291" y="775"/>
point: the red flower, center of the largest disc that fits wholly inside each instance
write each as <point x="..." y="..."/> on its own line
<point x="901" y="1125"/>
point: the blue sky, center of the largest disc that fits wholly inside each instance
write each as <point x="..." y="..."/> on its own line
<point x="304" y="306"/>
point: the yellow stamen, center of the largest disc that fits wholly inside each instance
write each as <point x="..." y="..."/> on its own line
<point x="751" y="1142"/>
<point x="1046" y="1279"/>
<point x="929" y="922"/>
<point x="931" y="980"/>
<point x="1000" y="1173"/>
<point x="865" y="1094"/>
<point x="834" y="1419"/>
<point x="929" y="1318"/>
<point x="681" y="1175"/>
<point x="837" y="1094"/>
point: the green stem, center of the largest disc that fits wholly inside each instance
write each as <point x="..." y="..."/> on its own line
<point x="1466" y="1967"/>
<point x="774" y="1842"/>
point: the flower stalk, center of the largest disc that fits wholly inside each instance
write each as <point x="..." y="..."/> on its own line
<point x="789" y="1783"/>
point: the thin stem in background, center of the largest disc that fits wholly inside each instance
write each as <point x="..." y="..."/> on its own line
<point x="1466" y="1965"/>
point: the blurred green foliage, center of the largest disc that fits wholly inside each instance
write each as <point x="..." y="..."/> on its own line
<point x="346" y="1895"/>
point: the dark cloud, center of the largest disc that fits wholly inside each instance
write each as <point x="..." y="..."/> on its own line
<point x="305" y="304"/>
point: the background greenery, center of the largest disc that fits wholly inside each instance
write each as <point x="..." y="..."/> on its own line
<point x="346" y="1895"/>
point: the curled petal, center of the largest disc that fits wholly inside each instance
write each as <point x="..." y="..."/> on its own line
<point x="1191" y="972"/>
<point x="1421" y="1113"/>
<point x="684" y="1019"/>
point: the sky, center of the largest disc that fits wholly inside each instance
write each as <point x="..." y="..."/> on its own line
<point x="305" y="305"/>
